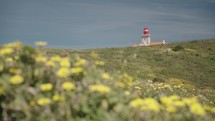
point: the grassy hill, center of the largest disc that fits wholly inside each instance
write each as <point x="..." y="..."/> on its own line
<point x="194" y="64"/>
<point x="168" y="82"/>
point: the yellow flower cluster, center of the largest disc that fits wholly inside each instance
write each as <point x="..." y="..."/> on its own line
<point x="124" y="81"/>
<point x="41" y="58"/>
<point x="100" y="88"/>
<point x="136" y="102"/>
<point x="105" y="76"/>
<point x="46" y="87"/>
<point x="76" y="70"/>
<point x="80" y="62"/>
<point x="63" y="72"/>
<point x="68" y="86"/>
<point x="10" y="48"/>
<point x="15" y="45"/>
<point x="178" y="86"/>
<point x="55" y="58"/>
<point x="50" y="63"/>
<point x="158" y="86"/>
<point x="194" y="106"/>
<point x="43" y="101"/>
<point x="64" y="62"/>
<point x="171" y="104"/>
<point x="40" y="43"/>
<point x="17" y="79"/>
<point x="145" y="104"/>
<point x="6" y="51"/>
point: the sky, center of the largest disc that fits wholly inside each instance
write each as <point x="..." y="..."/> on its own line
<point x="82" y="24"/>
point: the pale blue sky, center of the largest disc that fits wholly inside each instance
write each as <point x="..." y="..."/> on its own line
<point x="79" y="24"/>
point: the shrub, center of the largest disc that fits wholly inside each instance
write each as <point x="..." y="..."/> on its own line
<point x="157" y="79"/>
<point x="178" y="48"/>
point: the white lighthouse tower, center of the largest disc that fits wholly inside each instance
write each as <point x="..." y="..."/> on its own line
<point x="146" y="37"/>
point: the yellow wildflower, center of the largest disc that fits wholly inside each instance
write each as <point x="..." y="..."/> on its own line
<point x="55" y="58"/>
<point x="166" y="100"/>
<point x="100" y="88"/>
<point x="171" y="109"/>
<point x="46" y="87"/>
<point x="65" y="62"/>
<point x="43" y="101"/>
<point x="63" y="72"/>
<point x="76" y="70"/>
<point x="100" y="63"/>
<point x="136" y="102"/>
<point x="6" y="51"/>
<point x="197" y="109"/>
<point x="174" y="97"/>
<point x="179" y="103"/>
<point x="150" y="104"/>
<point x="190" y="101"/>
<point x="40" y="43"/>
<point x="16" y="45"/>
<point x="57" y="97"/>
<point x="209" y="108"/>
<point x="41" y="58"/>
<point x="50" y="63"/>
<point x="80" y="62"/>
<point x="17" y="79"/>
<point x="68" y="86"/>
<point x="105" y="76"/>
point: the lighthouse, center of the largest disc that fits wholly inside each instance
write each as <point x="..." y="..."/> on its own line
<point x="146" y="37"/>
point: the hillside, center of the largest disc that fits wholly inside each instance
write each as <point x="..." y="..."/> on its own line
<point x="165" y="83"/>
<point x="194" y="64"/>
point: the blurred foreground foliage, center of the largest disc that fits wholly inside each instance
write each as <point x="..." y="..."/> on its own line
<point x="37" y="87"/>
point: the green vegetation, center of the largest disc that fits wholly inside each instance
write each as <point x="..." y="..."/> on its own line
<point x="61" y="84"/>
<point x="177" y="48"/>
<point x="194" y="64"/>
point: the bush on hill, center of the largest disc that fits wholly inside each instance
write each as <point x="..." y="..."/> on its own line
<point x="178" y="48"/>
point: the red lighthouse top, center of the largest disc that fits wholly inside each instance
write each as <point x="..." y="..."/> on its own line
<point x="146" y="30"/>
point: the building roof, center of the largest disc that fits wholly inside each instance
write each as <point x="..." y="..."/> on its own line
<point x="155" y="43"/>
<point x="150" y="44"/>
